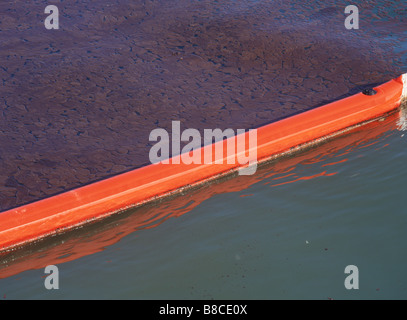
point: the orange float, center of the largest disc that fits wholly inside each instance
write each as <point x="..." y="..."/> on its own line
<point x="98" y="200"/>
<point x="96" y="238"/>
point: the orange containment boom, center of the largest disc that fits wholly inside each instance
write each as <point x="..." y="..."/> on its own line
<point x="95" y="201"/>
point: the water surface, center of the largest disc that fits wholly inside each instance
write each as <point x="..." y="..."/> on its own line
<point x="286" y="233"/>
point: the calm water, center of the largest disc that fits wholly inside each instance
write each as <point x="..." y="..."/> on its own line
<point x="288" y="232"/>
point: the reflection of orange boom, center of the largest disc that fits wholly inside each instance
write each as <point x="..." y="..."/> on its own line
<point x="96" y="237"/>
<point x="104" y="198"/>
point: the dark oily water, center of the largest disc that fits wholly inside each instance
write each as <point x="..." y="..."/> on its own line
<point x="287" y="232"/>
<point x="78" y="103"/>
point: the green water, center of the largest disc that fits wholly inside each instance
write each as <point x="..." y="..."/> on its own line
<point x="271" y="240"/>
